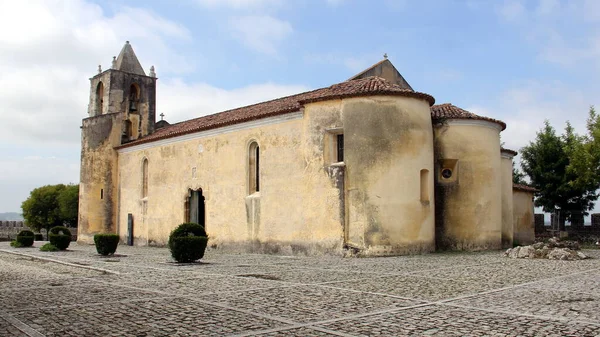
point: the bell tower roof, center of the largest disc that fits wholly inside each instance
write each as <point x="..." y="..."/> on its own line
<point x="128" y="62"/>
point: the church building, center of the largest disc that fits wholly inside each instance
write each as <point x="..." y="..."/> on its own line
<point x="368" y="166"/>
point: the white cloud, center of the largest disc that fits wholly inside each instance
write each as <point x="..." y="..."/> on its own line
<point x="240" y="4"/>
<point x="181" y="101"/>
<point x="261" y="33"/>
<point x="525" y="107"/>
<point x="48" y="51"/>
<point x="565" y="33"/>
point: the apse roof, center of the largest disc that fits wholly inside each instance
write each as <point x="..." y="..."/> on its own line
<point x="448" y="111"/>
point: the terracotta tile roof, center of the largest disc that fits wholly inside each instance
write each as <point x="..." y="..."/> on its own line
<point x="449" y="111"/>
<point x="524" y="188"/>
<point x="355" y="88"/>
<point x="512" y="152"/>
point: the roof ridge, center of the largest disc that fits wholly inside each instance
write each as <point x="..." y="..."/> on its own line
<point x="353" y="78"/>
<point x="372" y="85"/>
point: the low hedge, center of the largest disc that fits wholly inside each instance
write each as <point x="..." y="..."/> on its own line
<point x="25" y="238"/>
<point x="187" y="242"/>
<point x="60" y="237"/>
<point x="48" y="247"/>
<point x="106" y="244"/>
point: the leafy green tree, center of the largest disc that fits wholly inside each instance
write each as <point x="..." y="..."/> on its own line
<point x="564" y="169"/>
<point x="51" y="205"/>
<point x="518" y="176"/>
<point x="68" y="204"/>
<point x="41" y="209"/>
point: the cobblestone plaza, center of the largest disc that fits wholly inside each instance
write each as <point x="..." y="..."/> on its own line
<point x="141" y="292"/>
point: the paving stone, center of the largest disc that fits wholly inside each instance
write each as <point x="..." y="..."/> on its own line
<point x="200" y="286"/>
<point x="422" y="288"/>
<point x="28" y="299"/>
<point x="437" y="320"/>
<point x="584" y="283"/>
<point x="165" y="317"/>
<point x="233" y="294"/>
<point x="8" y="330"/>
<point x="534" y="301"/>
<point x="307" y="303"/>
<point x="297" y="332"/>
<point x="512" y="271"/>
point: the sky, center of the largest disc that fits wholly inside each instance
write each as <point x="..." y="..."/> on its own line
<point x="521" y="61"/>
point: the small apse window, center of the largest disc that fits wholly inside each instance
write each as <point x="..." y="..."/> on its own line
<point x="340" y="148"/>
<point x="425" y="185"/>
<point x="101" y="193"/>
<point x="446" y="173"/>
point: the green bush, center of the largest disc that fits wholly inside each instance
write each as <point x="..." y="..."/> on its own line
<point x="48" y="247"/>
<point x="16" y="244"/>
<point x="60" y="237"/>
<point x="39" y="237"/>
<point x="187" y="242"/>
<point x="106" y="244"/>
<point x="25" y="238"/>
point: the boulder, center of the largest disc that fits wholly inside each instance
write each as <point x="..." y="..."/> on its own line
<point x="526" y="252"/>
<point x="565" y="254"/>
<point x="545" y="252"/>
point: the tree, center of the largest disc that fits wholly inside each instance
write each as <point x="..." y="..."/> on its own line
<point x="68" y="204"/>
<point x="518" y="176"/>
<point x="564" y="169"/>
<point x="51" y="205"/>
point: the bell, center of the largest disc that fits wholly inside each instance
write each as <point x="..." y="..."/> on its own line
<point x="132" y="106"/>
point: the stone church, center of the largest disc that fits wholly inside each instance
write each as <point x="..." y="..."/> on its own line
<point x="367" y="165"/>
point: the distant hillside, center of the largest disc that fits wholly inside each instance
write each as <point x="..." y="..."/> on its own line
<point x="11" y="216"/>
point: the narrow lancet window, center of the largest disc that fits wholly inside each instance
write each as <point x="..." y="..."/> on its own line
<point x="254" y="168"/>
<point x="425" y="185"/>
<point x="99" y="98"/>
<point x="340" y="148"/>
<point x="145" y="178"/>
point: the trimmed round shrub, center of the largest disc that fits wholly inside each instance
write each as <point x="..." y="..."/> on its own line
<point x="60" y="237"/>
<point x="106" y="244"/>
<point x="25" y="238"/>
<point x="39" y="237"/>
<point x="187" y="242"/>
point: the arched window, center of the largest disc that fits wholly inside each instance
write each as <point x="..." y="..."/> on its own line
<point x="99" y="98"/>
<point x="145" y="178"/>
<point x="134" y="97"/>
<point x="253" y="168"/>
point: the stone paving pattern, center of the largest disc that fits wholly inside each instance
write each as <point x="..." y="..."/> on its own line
<point x="144" y="293"/>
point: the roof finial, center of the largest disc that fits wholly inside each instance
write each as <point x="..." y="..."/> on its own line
<point x="152" y="72"/>
<point x="385" y="56"/>
<point x="127" y="42"/>
<point x="162" y="115"/>
<point x="99" y="68"/>
<point x="114" y="62"/>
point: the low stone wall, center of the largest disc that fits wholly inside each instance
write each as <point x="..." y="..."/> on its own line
<point x="10" y="229"/>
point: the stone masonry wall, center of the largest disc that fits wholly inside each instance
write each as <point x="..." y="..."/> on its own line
<point x="10" y="229"/>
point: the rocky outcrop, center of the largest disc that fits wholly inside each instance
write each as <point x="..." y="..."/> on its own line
<point x="554" y="249"/>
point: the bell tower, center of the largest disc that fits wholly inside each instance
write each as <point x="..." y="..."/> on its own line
<point x="121" y="109"/>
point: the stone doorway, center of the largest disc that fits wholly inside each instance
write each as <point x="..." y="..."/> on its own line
<point x="195" y="205"/>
